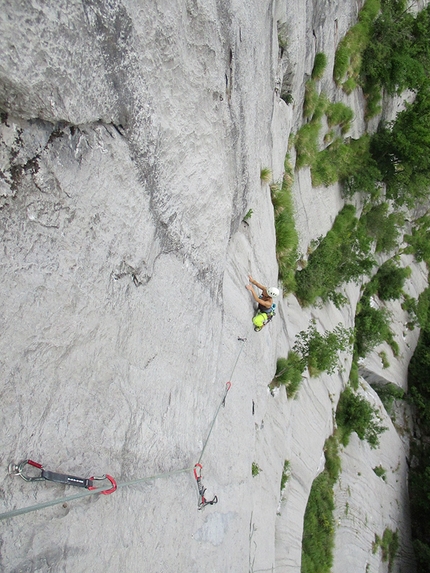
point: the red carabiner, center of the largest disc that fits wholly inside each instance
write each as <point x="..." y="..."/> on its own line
<point x="200" y="471"/>
<point x="108" y="491"/>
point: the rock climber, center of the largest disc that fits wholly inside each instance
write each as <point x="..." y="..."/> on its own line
<point x="265" y="300"/>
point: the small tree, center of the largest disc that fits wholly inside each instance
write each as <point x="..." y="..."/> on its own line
<point x="320" y="351"/>
<point x="355" y="414"/>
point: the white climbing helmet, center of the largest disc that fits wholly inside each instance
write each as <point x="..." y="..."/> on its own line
<point x="273" y="292"/>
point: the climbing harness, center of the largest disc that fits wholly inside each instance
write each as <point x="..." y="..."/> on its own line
<point x="262" y="318"/>
<point x="88" y="483"/>
<point x="203" y="502"/>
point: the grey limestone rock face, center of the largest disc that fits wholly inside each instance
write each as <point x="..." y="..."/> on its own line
<point x="132" y="138"/>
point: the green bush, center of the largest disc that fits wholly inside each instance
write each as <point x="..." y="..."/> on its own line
<point x="286" y="474"/>
<point x="287" y="239"/>
<point x="419" y="241"/>
<point x="389" y="545"/>
<point x="320" y="64"/>
<point x="289" y="372"/>
<point x="380" y="472"/>
<point x="311" y="98"/>
<point x="388" y="282"/>
<point x="318" y="525"/>
<point x="347" y="63"/>
<point x="306" y="143"/>
<point x="384" y="228"/>
<point x="355" y="414"/>
<point x="320" y="352"/>
<point x="354" y="375"/>
<point x="255" y="469"/>
<point x="339" y="114"/>
<point x="388" y="393"/>
<point x="372" y="327"/>
<point x="343" y="255"/>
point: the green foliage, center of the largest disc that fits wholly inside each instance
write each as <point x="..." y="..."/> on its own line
<point x="333" y="464"/>
<point x="422" y="556"/>
<point x="320" y="351"/>
<point x="339" y="114"/>
<point x="347" y="63"/>
<point x="255" y="470"/>
<point x="320" y="64"/>
<point x="372" y="327"/>
<point x="402" y="152"/>
<point x="389" y="545"/>
<point x="343" y="255"/>
<point x="340" y="161"/>
<point x="419" y="387"/>
<point x="289" y="372"/>
<point x="419" y="241"/>
<point x="288" y="98"/>
<point x="266" y="175"/>
<point x="306" y="143"/>
<point x="388" y="393"/>
<point x="354" y="375"/>
<point x="382" y="227"/>
<point x="318" y="526"/>
<point x="423" y="308"/>
<point x="311" y="98"/>
<point x="388" y="282"/>
<point x="286" y="474"/>
<point x="397" y="57"/>
<point x="355" y="414"/>
<point x="383" y="356"/>
<point x="248" y="215"/>
<point x="380" y="472"/>
<point x="287" y="239"/>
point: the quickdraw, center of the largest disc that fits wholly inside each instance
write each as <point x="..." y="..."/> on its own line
<point x="227" y="388"/>
<point x="203" y="502"/>
<point x="88" y="483"/>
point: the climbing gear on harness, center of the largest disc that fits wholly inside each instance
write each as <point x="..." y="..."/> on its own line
<point x="203" y="502"/>
<point x="88" y="483"/>
<point x="262" y="318"/>
<point x="273" y="291"/>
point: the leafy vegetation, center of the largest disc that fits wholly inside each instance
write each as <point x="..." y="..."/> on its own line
<point x="286" y="474"/>
<point x="312" y="350"/>
<point x="320" y="352"/>
<point x="384" y="228"/>
<point x="255" y="469"/>
<point x="388" y="282"/>
<point x="287" y="239"/>
<point x="247" y="215"/>
<point x="339" y="114"/>
<point x="318" y="526"/>
<point x="419" y="240"/>
<point x="355" y="414"/>
<point x="347" y="63"/>
<point x="343" y="255"/>
<point x="372" y="327"/>
<point x="380" y="472"/>
<point x="289" y="372"/>
<point x="389" y="544"/>
<point x="398" y="55"/>
<point x="388" y="393"/>
<point x="320" y="64"/>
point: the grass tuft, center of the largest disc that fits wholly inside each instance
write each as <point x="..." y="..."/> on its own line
<point x="266" y="175"/>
